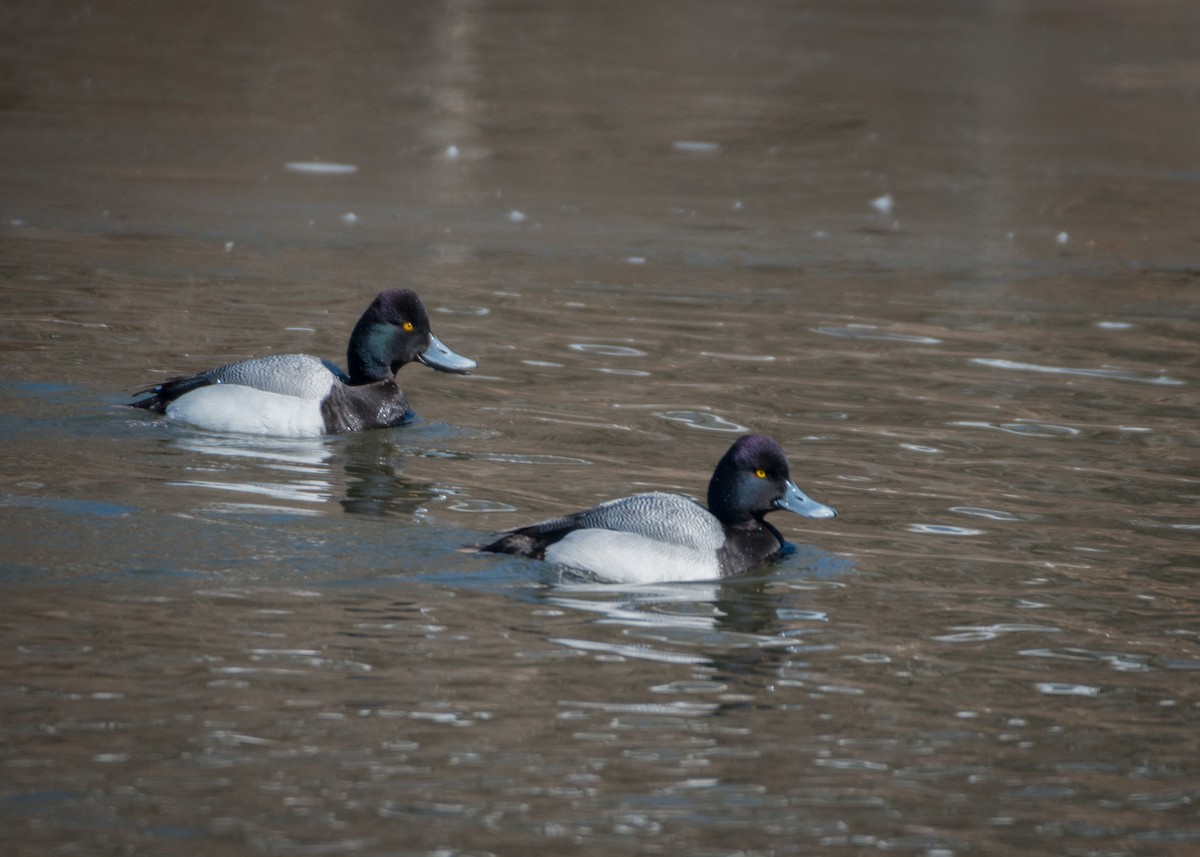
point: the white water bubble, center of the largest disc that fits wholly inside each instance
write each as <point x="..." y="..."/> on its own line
<point x="698" y="146"/>
<point x="320" y="168"/>
<point x="1056" y="688"/>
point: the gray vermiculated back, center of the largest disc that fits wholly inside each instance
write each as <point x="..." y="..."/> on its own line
<point x="287" y="374"/>
<point x="663" y="517"/>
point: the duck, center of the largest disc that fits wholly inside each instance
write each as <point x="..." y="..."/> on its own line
<point x="298" y="395"/>
<point x="658" y="537"/>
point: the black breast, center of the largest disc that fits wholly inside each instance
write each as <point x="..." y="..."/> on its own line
<point x="747" y="548"/>
<point x="364" y="407"/>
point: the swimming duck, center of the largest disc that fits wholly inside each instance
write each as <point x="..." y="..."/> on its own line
<point x="296" y="395"/>
<point x="659" y="537"/>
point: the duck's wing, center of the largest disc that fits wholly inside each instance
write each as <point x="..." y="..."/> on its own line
<point x="659" y="517"/>
<point x="296" y="375"/>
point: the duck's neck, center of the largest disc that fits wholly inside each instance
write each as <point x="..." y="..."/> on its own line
<point x="758" y="523"/>
<point x="367" y="357"/>
<point x="769" y="528"/>
<point x="722" y="502"/>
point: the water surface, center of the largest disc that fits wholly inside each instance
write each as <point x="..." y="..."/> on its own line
<point x="945" y="253"/>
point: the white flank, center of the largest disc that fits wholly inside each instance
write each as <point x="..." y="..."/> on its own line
<point x="245" y="410"/>
<point x="630" y="558"/>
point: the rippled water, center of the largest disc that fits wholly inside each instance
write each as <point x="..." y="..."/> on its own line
<point x="946" y="254"/>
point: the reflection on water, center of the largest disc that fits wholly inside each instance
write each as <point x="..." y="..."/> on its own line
<point x="300" y="464"/>
<point x="545" y="721"/>
<point x="870" y="331"/>
<point x="946" y="257"/>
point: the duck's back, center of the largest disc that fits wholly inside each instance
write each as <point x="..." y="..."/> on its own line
<point x="668" y="518"/>
<point x="300" y="375"/>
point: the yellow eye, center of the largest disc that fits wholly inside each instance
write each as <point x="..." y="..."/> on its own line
<point x="408" y="326"/>
<point x="760" y="473"/>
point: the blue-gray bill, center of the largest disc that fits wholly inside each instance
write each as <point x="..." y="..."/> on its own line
<point x="438" y="356"/>
<point x="797" y="501"/>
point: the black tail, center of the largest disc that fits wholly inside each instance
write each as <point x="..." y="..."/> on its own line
<point x="150" y="403"/>
<point x="168" y="391"/>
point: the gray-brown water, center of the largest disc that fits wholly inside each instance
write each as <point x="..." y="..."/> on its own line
<point x="945" y="252"/>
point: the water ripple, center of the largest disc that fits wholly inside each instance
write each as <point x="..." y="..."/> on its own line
<point x="695" y="146"/>
<point x="310" y="452"/>
<point x="1115" y="374"/>
<point x="633" y="613"/>
<point x="320" y="168"/>
<point x="443" y="718"/>
<point x="851" y="765"/>
<point x="1118" y="661"/>
<point x="943" y="530"/>
<point x="754" y="358"/>
<point x="1024" y="429"/>
<point x="980" y="633"/>
<point x="515" y="458"/>
<point x="477" y="311"/>
<point x="304" y="491"/>
<point x="867" y="331"/>
<point x="787" y="613"/>
<point x="990" y="514"/>
<point x="636" y="373"/>
<point x="644" y="653"/>
<point x="481" y="506"/>
<point x="671" y="709"/>
<point x="606" y="350"/>
<point x="1055" y="688"/>
<point x="701" y="421"/>
<point x="690" y="686"/>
